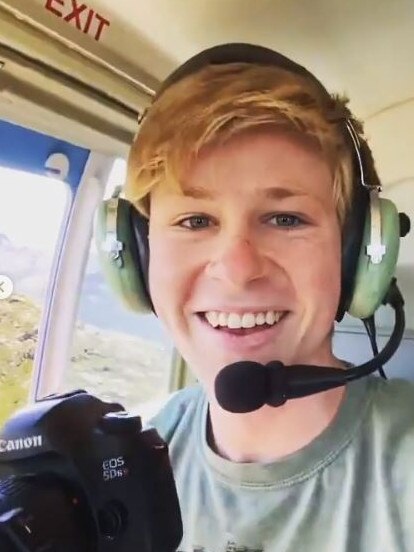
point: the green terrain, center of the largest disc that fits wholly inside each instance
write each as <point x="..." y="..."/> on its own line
<point x="113" y="366"/>
<point x="18" y="333"/>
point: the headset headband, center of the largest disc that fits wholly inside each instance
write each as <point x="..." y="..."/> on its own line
<point x="237" y="52"/>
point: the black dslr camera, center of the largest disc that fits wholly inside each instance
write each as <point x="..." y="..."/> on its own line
<point x="79" y="475"/>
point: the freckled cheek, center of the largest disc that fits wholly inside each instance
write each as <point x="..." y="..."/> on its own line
<point x="169" y="276"/>
<point x="319" y="277"/>
<point x="162" y="271"/>
<point x="328" y="280"/>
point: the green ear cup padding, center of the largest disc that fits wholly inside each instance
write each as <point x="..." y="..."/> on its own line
<point x="373" y="280"/>
<point x="116" y="244"/>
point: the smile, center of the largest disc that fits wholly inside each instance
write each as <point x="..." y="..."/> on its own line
<point x="242" y="332"/>
<point x="244" y="320"/>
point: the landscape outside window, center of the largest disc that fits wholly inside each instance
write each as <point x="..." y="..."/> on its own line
<point x="32" y="210"/>
<point x="117" y="354"/>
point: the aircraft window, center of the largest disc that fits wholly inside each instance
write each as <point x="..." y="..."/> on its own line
<point x="117" y="354"/>
<point x="32" y="209"/>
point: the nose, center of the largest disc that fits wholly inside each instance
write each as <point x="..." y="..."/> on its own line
<point x="237" y="263"/>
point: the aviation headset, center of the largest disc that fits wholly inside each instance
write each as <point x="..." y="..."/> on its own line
<point x="371" y="234"/>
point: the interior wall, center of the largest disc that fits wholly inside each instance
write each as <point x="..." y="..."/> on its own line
<point x="355" y="348"/>
<point x="49" y="87"/>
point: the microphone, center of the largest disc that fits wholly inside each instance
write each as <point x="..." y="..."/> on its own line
<point x="246" y="386"/>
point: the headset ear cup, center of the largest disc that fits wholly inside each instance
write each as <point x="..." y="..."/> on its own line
<point x="352" y="235"/>
<point x="372" y="281"/>
<point x="119" y="254"/>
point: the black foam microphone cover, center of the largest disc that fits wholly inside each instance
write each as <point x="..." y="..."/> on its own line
<point x="246" y="386"/>
<point x="277" y="388"/>
<point x="242" y="386"/>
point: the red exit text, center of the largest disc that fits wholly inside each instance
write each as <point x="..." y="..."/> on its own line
<point x="76" y="13"/>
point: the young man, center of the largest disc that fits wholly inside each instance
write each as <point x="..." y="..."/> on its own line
<point x="245" y="172"/>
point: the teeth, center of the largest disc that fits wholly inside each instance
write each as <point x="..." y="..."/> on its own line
<point x="213" y="318"/>
<point x="222" y="319"/>
<point x="260" y="319"/>
<point x="248" y="320"/>
<point x="234" y="321"/>
<point x="245" y="320"/>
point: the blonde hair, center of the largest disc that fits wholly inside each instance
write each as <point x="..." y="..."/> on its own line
<point x="220" y="101"/>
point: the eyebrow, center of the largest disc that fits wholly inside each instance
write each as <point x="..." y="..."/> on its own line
<point x="275" y="192"/>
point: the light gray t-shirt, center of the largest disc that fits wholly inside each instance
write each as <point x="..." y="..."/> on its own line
<point x="349" y="490"/>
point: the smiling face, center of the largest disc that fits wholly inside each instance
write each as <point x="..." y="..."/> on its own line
<point x="245" y="264"/>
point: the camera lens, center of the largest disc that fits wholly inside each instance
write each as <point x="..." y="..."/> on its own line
<point x="112" y="519"/>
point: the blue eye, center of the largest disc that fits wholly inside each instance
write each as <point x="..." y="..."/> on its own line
<point x="286" y="220"/>
<point x="195" y="222"/>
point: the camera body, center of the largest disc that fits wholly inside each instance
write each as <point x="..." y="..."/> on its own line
<point x="77" y="473"/>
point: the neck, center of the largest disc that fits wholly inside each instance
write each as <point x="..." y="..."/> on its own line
<point x="269" y="434"/>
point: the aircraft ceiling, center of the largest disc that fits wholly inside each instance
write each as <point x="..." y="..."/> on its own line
<point x="364" y="48"/>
